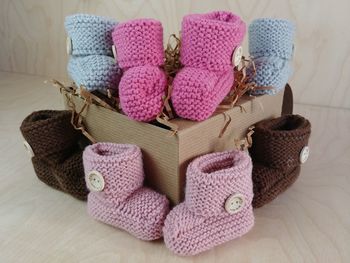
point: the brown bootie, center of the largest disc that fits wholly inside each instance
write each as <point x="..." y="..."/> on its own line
<point x="53" y="144"/>
<point x="279" y="148"/>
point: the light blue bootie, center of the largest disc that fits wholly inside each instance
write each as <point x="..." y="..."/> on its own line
<point x="89" y="43"/>
<point x="271" y="46"/>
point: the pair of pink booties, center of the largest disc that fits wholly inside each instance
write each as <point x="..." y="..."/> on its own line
<point x="217" y="206"/>
<point x="207" y="45"/>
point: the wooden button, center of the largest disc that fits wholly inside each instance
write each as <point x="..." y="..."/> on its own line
<point x="28" y="149"/>
<point x="234" y="203"/>
<point x="114" y="50"/>
<point x="237" y="56"/>
<point x="69" y="45"/>
<point x="304" y="154"/>
<point x="95" y="181"/>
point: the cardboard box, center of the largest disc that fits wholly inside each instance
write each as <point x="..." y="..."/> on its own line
<point x="166" y="155"/>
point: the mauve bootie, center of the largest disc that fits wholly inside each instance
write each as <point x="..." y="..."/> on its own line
<point x="114" y="174"/>
<point x="217" y="206"/>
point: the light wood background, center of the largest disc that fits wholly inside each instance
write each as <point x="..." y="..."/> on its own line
<point x="32" y="36"/>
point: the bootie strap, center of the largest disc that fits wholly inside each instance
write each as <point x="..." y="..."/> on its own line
<point x="271" y="37"/>
<point x="89" y="34"/>
<point x="198" y="46"/>
<point x="281" y="143"/>
<point x="49" y="133"/>
<point x="219" y="183"/>
<point x="113" y="171"/>
<point x="139" y="42"/>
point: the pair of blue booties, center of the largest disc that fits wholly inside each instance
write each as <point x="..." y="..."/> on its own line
<point x="271" y="47"/>
<point x="89" y="44"/>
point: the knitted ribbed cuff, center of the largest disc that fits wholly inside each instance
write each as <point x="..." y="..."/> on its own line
<point x="50" y="133"/>
<point x="271" y="37"/>
<point x="278" y="143"/>
<point x="139" y="42"/>
<point x="208" y="40"/>
<point x="89" y="34"/>
<point x="211" y="179"/>
<point x="119" y="165"/>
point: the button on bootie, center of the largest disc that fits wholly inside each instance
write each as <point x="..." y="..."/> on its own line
<point x="271" y="46"/>
<point x="53" y="144"/>
<point x="217" y="206"/>
<point x="114" y="174"/>
<point x="279" y="148"/>
<point x="208" y="42"/>
<point x="140" y="52"/>
<point x="90" y="43"/>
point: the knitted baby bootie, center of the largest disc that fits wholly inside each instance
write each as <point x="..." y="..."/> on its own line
<point x="53" y="144"/>
<point x="217" y="206"/>
<point x="207" y="45"/>
<point x="279" y="147"/>
<point x="90" y="43"/>
<point x="114" y="174"/>
<point x="139" y="47"/>
<point x="271" y="46"/>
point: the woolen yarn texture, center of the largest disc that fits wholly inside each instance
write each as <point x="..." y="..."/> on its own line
<point x="271" y="44"/>
<point x="57" y="157"/>
<point x="140" y="52"/>
<point x="91" y="63"/>
<point x="201" y="221"/>
<point x="207" y="45"/>
<point x="277" y="144"/>
<point x="124" y="202"/>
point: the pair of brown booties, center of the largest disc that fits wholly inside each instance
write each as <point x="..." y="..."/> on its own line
<point x="279" y="148"/>
<point x="56" y="151"/>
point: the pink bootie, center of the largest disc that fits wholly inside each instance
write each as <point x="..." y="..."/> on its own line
<point x="114" y="175"/>
<point x="217" y="206"/>
<point x="208" y="42"/>
<point x="140" y="52"/>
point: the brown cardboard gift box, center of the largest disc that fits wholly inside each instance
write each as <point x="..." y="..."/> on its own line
<point x="165" y="154"/>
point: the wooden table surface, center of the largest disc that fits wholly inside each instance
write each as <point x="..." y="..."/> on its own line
<point x="308" y="223"/>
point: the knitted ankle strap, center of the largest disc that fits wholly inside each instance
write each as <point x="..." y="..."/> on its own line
<point x="139" y="42"/>
<point x="213" y="178"/>
<point x="49" y="132"/>
<point x="278" y="143"/>
<point x="118" y="166"/>
<point x="90" y="35"/>
<point x="208" y="40"/>
<point x="271" y="37"/>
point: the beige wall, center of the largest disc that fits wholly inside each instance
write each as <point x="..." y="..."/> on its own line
<point x="32" y="36"/>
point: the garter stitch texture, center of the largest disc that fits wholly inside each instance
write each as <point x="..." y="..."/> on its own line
<point x="140" y="53"/>
<point x="124" y="202"/>
<point x="276" y="149"/>
<point x="57" y="157"/>
<point x="207" y="45"/>
<point x="201" y="221"/>
<point x="271" y="46"/>
<point x="91" y="63"/>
